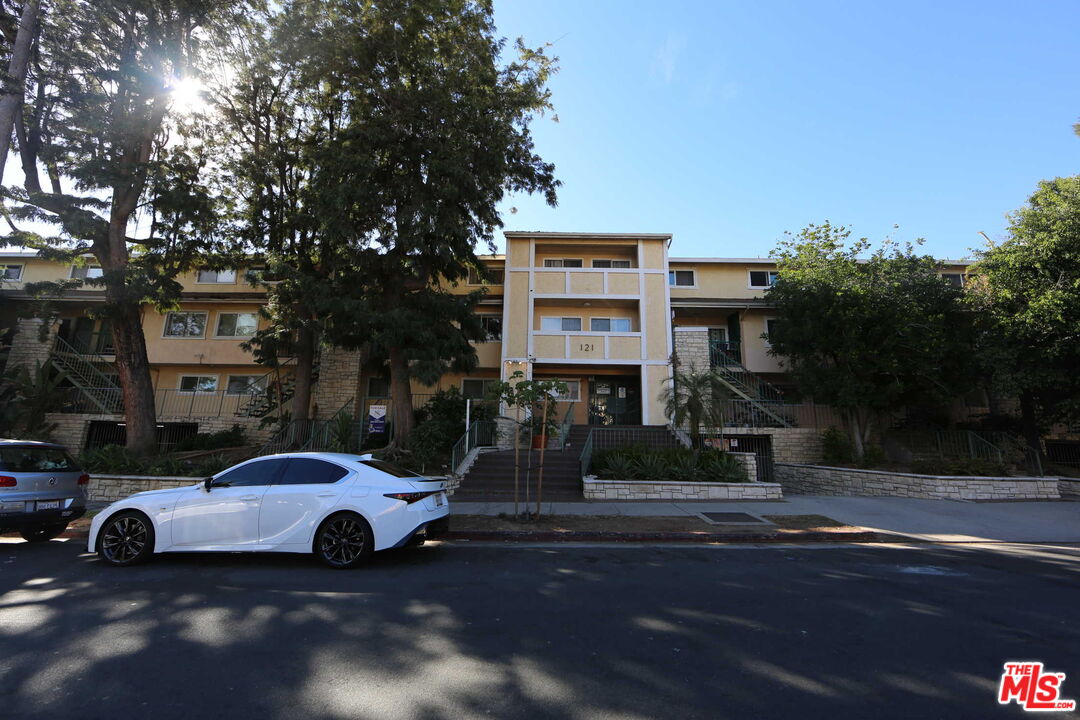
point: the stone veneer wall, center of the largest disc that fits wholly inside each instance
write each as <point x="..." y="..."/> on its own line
<point x="643" y="490"/>
<point x="692" y="347"/>
<point x="820" y="480"/>
<point x="71" y="428"/>
<point x="26" y="347"/>
<point x="339" y="380"/>
<point x="1069" y="488"/>
<point x="789" y="445"/>
<point x="110" y="488"/>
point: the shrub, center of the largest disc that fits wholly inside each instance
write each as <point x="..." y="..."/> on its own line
<point x="233" y="437"/>
<point x="651" y="467"/>
<point x="675" y="464"/>
<point x="835" y="447"/>
<point x="960" y="466"/>
<point x="873" y="456"/>
<point x="619" y="467"/>
<point x="112" y="459"/>
<point x="723" y="467"/>
<point x="116" y="460"/>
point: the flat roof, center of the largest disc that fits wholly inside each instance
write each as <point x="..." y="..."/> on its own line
<point x="590" y="235"/>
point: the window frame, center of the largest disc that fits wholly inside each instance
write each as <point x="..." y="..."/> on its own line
<point x="8" y="266"/>
<point x="348" y="472"/>
<point x="581" y="323"/>
<point x="486" y="383"/>
<point x="180" y="382"/>
<point x="629" y="264"/>
<point x="570" y="382"/>
<point x="367" y="386"/>
<point x="273" y="478"/>
<point x="89" y="269"/>
<point x="165" y="325"/>
<point x="499" y="318"/>
<point x="564" y="266"/>
<point x="499" y="271"/>
<point x="217" y="324"/>
<point x="770" y="279"/>
<point x="673" y="278"/>
<point x="765" y="322"/>
<point x="961" y="276"/>
<point x="611" y="321"/>
<point x="250" y="389"/>
<point x="200" y="281"/>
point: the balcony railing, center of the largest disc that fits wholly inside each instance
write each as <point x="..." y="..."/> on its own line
<point x="168" y="403"/>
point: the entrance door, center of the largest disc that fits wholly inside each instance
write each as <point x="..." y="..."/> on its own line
<point x="615" y="401"/>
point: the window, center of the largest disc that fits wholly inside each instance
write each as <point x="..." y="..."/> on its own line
<point x="762" y="278"/>
<point x="476" y="388"/>
<point x="237" y="324"/>
<point x="560" y="324"/>
<point x="259" y="472"/>
<point x="492" y="325"/>
<point x="185" y="324"/>
<point x="954" y="279"/>
<point x="378" y="387"/>
<point x="495" y="277"/>
<point x="681" y="278"/>
<point x="86" y="272"/>
<point x="611" y="263"/>
<point x="573" y="391"/>
<point x="562" y="262"/>
<point x="305" y="471"/>
<point x="216" y="276"/>
<point x="245" y="384"/>
<point x="33" y="458"/>
<point x="597" y="324"/>
<point x="390" y="468"/>
<point x="12" y="272"/>
<point x="770" y="323"/>
<point x="198" y="383"/>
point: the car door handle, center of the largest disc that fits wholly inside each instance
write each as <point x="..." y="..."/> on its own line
<point x="249" y="497"/>
<point x="326" y="494"/>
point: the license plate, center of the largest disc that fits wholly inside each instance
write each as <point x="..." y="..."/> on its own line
<point x="48" y="505"/>
<point x="439" y="500"/>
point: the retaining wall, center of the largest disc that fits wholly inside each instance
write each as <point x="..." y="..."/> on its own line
<point x="820" y="480"/>
<point x="596" y="489"/>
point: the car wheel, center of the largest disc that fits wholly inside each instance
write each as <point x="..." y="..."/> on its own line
<point x="126" y="538"/>
<point x="43" y="533"/>
<point x="344" y="541"/>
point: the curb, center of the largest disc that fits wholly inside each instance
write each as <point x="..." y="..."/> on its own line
<point x="511" y="536"/>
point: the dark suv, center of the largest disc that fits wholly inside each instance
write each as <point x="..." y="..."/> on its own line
<point x="42" y="489"/>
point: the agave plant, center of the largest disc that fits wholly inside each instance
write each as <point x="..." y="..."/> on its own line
<point x="722" y="467"/>
<point x="619" y="467"/>
<point x="651" y="467"/>
<point x="684" y="468"/>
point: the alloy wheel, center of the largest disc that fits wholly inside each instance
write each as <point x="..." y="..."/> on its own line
<point x="124" y="540"/>
<point x="343" y="541"/>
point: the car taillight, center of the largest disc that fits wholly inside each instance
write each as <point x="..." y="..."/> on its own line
<point x="410" y="497"/>
<point x="84" y="479"/>
<point x="7" y="481"/>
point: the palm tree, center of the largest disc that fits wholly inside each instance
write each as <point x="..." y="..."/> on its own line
<point x="696" y="398"/>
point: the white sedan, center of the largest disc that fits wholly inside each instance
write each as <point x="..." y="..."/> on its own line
<point x="339" y="507"/>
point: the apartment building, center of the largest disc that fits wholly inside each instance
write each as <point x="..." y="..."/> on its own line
<point x="606" y="313"/>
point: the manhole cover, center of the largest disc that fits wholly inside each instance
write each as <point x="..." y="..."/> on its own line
<point x="734" y="518"/>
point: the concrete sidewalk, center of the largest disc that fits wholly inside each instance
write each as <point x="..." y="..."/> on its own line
<point x="934" y="520"/>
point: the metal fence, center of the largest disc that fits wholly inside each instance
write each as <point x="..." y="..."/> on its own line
<point x="1063" y="457"/>
<point x="106" y="432"/>
<point x="168" y="402"/>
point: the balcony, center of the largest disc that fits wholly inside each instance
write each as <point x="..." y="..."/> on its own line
<point x="617" y="282"/>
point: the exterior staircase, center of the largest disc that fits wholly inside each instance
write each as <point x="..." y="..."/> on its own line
<point x="82" y="369"/>
<point x="763" y="399"/>
<point x="263" y="402"/>
<point x="491" y="477"/>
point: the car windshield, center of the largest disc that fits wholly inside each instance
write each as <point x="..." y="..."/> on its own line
<point x="36" y="459"/>
<point x="390" y="468"/>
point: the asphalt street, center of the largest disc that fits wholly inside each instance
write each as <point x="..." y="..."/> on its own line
<point x="459" y="631"/>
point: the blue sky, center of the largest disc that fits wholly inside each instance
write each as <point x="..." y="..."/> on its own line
<point x="727" y="123"/>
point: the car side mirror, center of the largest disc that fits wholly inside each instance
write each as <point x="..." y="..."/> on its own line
<point x="207" y="483"/>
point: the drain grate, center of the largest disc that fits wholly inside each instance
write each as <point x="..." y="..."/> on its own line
<point x="734" y="518"/>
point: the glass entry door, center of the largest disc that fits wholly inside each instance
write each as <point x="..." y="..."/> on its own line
<point x="615" y="401"/>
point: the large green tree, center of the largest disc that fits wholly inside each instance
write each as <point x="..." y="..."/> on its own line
<point x="867" y="333"/>
<point x="1029" y="290"/>
<point x="432" y="129"/>
<point x="110" y="165"/>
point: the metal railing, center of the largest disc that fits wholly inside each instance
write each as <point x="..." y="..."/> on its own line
<point x="946" y="444"/>
<point x="765" y="397"/>
<point x="82" y="369"/>
<point x="565" y="425"/>
<point x="585" y="461"/>
<point x="168" y="402"/>
<point x="481" y="433"/>
<point x="338" y="433"/>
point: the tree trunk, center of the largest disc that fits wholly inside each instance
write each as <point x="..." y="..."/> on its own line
<point x="15" y="83"/>
<point x="1029" y="422"/>
<point x="856" y="430"/>
<point x="136" y="385"/>
<point x="400" y="398"/>
<point x="305" y="366"/>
